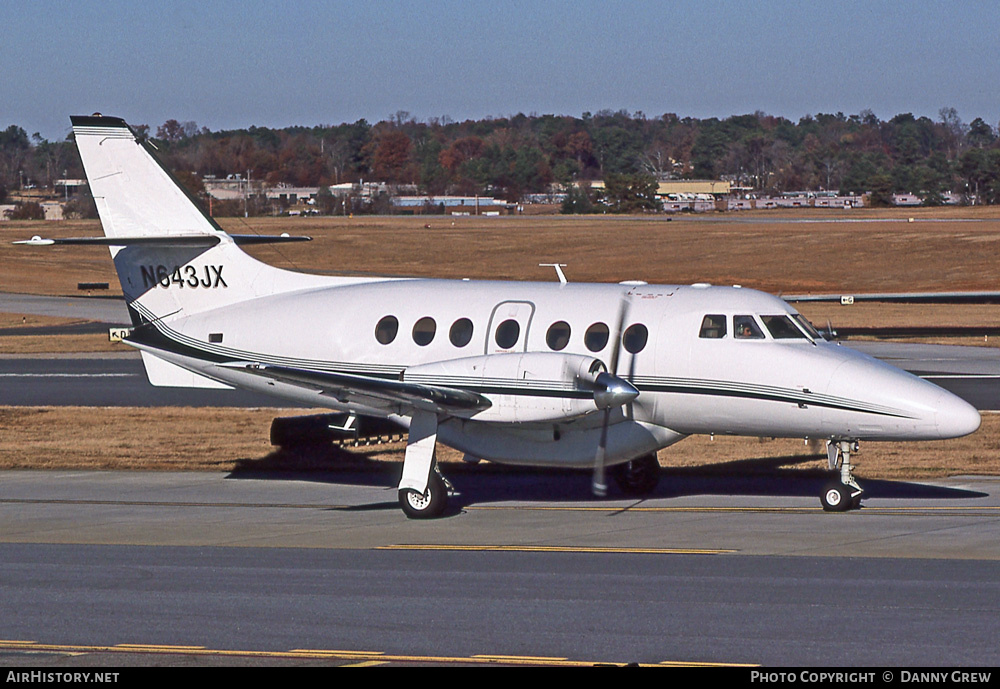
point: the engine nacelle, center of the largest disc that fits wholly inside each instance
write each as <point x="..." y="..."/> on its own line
<point x="525" y="387"/>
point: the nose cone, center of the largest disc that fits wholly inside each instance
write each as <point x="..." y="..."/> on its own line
<point x="955" y="416"/>
<point x="897" y="405"/>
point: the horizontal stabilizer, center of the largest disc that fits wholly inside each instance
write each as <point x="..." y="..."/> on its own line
<point x="191" y="240"/>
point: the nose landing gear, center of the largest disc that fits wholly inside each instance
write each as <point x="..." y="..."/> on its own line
<point x="845" y="494"/>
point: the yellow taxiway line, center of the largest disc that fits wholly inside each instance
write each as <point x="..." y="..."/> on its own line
<point x="355" y="658"/>
<point x="556" y="549"/>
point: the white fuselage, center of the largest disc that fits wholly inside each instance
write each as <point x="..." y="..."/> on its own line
<point x="688" y="383"/>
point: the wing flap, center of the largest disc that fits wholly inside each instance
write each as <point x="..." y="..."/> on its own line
<point x="348" y="387"/>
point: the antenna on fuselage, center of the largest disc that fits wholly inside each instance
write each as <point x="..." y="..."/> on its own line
<point x="559" y="272"/>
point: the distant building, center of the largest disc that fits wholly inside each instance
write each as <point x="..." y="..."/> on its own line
<point x="471" y="204"/>
<point x="906" y="200"/>
<point x="714" y="187"/>
<point x="69" y="187"/>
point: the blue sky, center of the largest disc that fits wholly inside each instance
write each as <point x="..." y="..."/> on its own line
<point x="227" y="64"/>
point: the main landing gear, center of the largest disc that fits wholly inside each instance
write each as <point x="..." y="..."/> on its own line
<point x="639" y="476"/>
<point x="430" y="503"/>
<point x="423" y="491"/>
<point x="845" y="494"/>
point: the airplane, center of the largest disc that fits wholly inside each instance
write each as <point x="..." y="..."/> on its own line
<point x="557" y="374"/>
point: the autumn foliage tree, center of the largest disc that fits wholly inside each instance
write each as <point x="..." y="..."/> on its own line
<point x="512" y="156"/>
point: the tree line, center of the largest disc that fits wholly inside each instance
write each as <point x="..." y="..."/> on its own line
<point x="509" y="157"/>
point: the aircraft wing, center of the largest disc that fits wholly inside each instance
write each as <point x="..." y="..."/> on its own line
<point x="392" y="395"/>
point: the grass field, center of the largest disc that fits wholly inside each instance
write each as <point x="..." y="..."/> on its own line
<point x="794" y="251"/>
<point x="197" y="439"/>
<point x="782" y="252"/>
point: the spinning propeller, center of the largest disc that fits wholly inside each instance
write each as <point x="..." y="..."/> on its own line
<point x="611" y="391"/>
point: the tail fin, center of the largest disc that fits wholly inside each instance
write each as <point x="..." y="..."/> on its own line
<point x="171" y="258"/>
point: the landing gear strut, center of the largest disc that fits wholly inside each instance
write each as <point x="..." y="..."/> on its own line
<point x="845" y="494"/>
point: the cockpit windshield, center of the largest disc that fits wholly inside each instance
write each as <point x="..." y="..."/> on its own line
<point x="793" y="326"/>
<point x="782" y="328"/>
<point x="807" y="326"/>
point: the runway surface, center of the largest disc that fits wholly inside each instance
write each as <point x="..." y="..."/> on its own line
<point x="117" y="380"/>
<point x="104" y="309"/>
<point x="524" y="569"/>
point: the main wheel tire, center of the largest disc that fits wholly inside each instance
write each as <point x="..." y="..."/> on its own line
<point x="639" y="476"/>
<point x="836" y="497"/>
<point x="429" y="505"/>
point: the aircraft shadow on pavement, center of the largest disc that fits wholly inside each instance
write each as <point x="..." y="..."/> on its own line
<point x="490" y="483"/>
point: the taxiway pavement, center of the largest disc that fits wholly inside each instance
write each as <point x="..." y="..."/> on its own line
<point x="273" y="565"/>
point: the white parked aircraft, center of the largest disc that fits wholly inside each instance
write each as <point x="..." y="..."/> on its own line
<point x="553" y="374"/>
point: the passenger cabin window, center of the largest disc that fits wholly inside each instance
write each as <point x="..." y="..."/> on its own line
<point x="386" y="329"/>
<point x="507" y="334"/>
<point x="557" y="336"/>
<point x="461" y="332"/>
<point x="596" y="337"/>
<point x="746" y="328"/>
<point x="424" y="330"/>
<point x="635" y="338"/>
<point x="782" y="328"/>
<point x="713" y="327"/>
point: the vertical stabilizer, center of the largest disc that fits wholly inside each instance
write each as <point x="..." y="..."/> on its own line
<point x="135" y="195"/>
<point x="173" y="259"/>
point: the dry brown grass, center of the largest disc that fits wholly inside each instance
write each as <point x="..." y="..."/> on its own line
<point x="193" y="439"/>
<point x="941" y="251"/>
<point x="769" y="253"/>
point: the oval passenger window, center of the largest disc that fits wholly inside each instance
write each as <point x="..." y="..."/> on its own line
<point x="557" y="336"/>
<point x="507" y="334"/>
<point x="635" y="338"/>
<point x="423" y="331"/>
<point x="596" y="337"/>
<point x="385" y="331"/>
<point x="461" y="332"/>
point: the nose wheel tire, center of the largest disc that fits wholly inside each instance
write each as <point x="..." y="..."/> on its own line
<point x="838" y="497"/>
<point x="428" y="505"/>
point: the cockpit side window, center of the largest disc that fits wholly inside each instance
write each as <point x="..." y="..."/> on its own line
<point x="782" y="328"/>
<point x="713" y="327"/>
<point x="746" y="328"/>
<point x="807" y="326"/>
